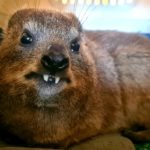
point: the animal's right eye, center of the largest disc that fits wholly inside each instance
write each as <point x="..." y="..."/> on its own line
<point x="26" y="38"/>
<point x="75" y="46"/>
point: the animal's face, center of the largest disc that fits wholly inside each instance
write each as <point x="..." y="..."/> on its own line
<point x="43" y="75"/>
<point x="42" y="48"/>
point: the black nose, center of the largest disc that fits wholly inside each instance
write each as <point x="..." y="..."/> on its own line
<point x="55" y="63"/>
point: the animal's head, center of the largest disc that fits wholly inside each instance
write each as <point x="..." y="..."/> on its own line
<point x="44" y="75"/>
<point x="42" y="49"/>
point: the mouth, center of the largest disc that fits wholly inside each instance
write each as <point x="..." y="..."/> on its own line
<point x="47" y="78"/>
<point x="48" y="85"/>
<point x="51" y="79"/>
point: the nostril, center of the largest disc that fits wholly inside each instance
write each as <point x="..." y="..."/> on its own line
<point x="47" y="62"/>
<point x="55" y="63"/>
<point x="64" y="63"/>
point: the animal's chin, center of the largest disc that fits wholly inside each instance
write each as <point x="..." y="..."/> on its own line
<point x="48" y="85"/>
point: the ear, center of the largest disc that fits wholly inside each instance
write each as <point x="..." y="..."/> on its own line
<point x="1" y="35"/>
<point x="74" y="20"/>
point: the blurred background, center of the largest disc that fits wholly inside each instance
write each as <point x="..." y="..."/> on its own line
<point x="122" y="15"/>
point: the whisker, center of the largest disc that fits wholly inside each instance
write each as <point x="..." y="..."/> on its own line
<point x="88" y="15"/>
<point x="83" y="6"/>
<point x="86" y="12"/>
<point x="75" y="6"/>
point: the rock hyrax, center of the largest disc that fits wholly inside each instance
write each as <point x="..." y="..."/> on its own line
<point x="60" y="84"/>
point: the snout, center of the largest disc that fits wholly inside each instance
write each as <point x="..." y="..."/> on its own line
<point x="53" y="75"/>
<point x="56" y="60"/>
<point x="55" y="63"/>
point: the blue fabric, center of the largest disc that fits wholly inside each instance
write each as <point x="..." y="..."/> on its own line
<point x="147" y="35"/>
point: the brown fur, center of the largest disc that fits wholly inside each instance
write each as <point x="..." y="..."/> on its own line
<point x="106" y="87"/>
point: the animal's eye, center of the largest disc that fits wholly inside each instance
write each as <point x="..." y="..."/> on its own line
<point x="75" y="46"/>
<point x="1" y="35"/>
<point x="26" y="38"/>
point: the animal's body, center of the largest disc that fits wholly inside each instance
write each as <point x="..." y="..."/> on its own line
<point x="60" y="84"/>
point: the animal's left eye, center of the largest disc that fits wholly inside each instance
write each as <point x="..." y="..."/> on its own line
<point x="75" y="46"/>
<point x="26" y="39"/>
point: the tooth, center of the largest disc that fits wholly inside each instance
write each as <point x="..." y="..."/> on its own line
<point x="45" y="77"/>
<point x="50" y="79"/>
<point x="57" y="79"/>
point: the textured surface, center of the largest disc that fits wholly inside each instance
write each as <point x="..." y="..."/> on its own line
<point x="107" y="142"/>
